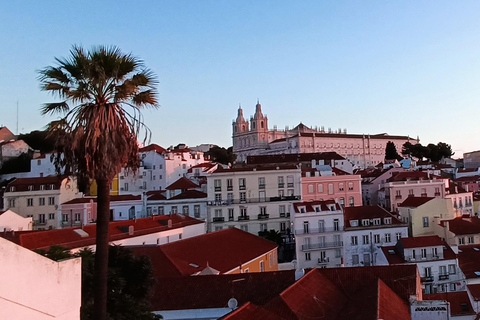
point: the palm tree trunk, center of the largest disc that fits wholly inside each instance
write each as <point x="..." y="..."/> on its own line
<point x="101" y="255"/>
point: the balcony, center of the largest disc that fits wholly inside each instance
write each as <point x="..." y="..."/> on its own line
<point x="428" y="257"/>
<point x="251" y="200"/>
<point x="242" y="188"/>
<point x="290" y="185"/>
<point x="217" y="189"/>
<point x="283" y="214"/>
<point x="437" y="194"/>
<point x="322" y="245"/>
<point x="65" y="223"/>
<point x="261" y="186"/>
<point x="243" y="218"/>
<point x="218" y="219"/>
<point x="229" y="188"/>
<point x="263" y="216"/>
<point x="39" y="222"/>
<point x="281" y="185"/>
<point x="318" y="230"/>
<point x="443" y="277"/>
<point x="427" y="279"/>
<point x="398" y="197"/>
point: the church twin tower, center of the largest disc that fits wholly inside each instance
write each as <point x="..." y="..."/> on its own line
<point x="250" y="135"/>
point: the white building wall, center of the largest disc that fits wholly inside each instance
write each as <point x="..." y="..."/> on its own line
<point x="10" y="220"/>
<point x="35" y="287"/>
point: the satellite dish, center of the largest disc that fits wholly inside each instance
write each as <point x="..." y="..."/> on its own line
<point x="232" y="303"/>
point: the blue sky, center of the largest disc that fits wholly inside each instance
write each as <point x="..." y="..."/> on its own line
<point x="401" y="67"/>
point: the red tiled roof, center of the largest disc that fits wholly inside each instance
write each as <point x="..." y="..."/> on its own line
<point x="153" y="147"/>
<point x="222" y="250"/>
<point x="214" y="291"/>
<point x="456" y="299"/>
<point x="81" y="200"/>
<point x="123" y="197"/>
<point x="475" y="178"/>
<point x="414" y="202"/>
<point x="341" y="294"/>
<point x="463" y="226"/>
<point x="426" y="241"/>
<point x="469" y="261"/>
<point x="189" y="194"/>
<point x="247" y="169"/>
<point x="22" y="184"/>
<point x="310" y="205"/>
<point x="475" y="291"/>
<point x="460" y="170"/>
<point x="410" y="175"/>
<point x="368" y="212"/>
<point x="118" y="230"/>
<point x="339" y="172"/>
<point x="204" y="166"/>
<point x="156" y="195"/>
<point x="182" y="184"/>
<point x="293" y="158"/>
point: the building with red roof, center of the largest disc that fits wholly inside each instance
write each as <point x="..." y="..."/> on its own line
<point x="40" y="199"/>
<point x="423" y="214"/>
<point x="410" y="183"/>
<point x="227" y="251"/>
<point x="459" y="303"/>
<point x="461" y="231"/>
<point x="154" y="230"/>
<point x="435" y="259"/>
<point x="367" y="229"/>
<point x="342" y="293"/>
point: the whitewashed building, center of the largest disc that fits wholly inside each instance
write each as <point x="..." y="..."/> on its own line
<point x="10" y="220"/>
<point x="252" y="199"/>
<point x="367" y="229"/>
<point x="318" y="227"/>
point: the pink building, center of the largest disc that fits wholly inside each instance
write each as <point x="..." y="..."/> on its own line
<point x="336" y="185"/>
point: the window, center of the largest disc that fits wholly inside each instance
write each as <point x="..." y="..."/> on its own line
<point x="366" y="259"/>
<point x="350" y="186"/>
<point x="281" y="211"/>
<point x="243" y="211"/>
<point x="410" y="192"/>
<point x="261" y="183"/>
<point x="125" y="186"/>
<point x="424" y="253"/>
<point x="365" y="239"/>
<point x="425" y="222"/>
<point x="320" y="188"/>
<point x="342" y="202"/>
<point x="336" y="224"/>
<point x="340" y="187"/>
<point x="289" y="181"/>
<point x="261" y="196"/>
<point x="283" y="226"/>
<point x="281" y="193"/>
<point x="377" y="221"/>
<point x="388" y="238"/>
<point x="281" y="182"/>
<point x="308" y="256"/>
<point x="41" y="201"/>
<point x="263" y="211"/>
<point x="351" y="201"/>
<point x="310" y="188"/>
<point x="355" y="260"/>
<point x="64" y="217"/>
<point x="230" y="214"/>
<point x="330" y="188"/>
<point x="229" y="184"/>
<point x="161" y="210"/>
<point x="365" y="222"/>
<point x="77" y="217"/>
<point x="174" y="210"/>
<point x="442" y="270"/>
<point x="453" y="286"/>
<point x="387" y="220"/>
<point x="41" y="218"/>
<point x="337" y="240"/>
<point x="196" y="211"/>
<point x="461" y="240"/>
<point x="51" y="201"/>
<point x="241" y="184"/>
<point x="51" y="216"/>
<point x="229" y="198"/>
<point x="471" y="240"/>
<point x="321" y="225"/>
<point x="354" y="240"/>
<point x="218" y="197"/>
<point x="398" y="235"/>
<point x="376" y="238"/>
<point x="290" y="192"/>
<point x="452" y="269"/>
<point x="217" y="183"/>
<point x="338" y="253"/>
<point x="185" y="210"/>
<point x="263" y="227"/>
<point x="42" y="187"/>
<point x="218" y="213"/>
<point x="30" y="188"/>
<point x="243" y="196"/>
<point x="305" y="227"/>
<point x="30" y="202"/>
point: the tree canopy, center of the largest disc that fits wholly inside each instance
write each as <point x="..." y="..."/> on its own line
<point x="431" y="152"/>
<point x="221" y="155"/>
<point x="391" y="152"/>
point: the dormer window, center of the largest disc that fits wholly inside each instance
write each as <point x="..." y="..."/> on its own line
<point x="302" y="209"/>
<point x="42" y="187"/>
<point x="377" y="221"/>
<point x="365" y="222"/>
<point x="12" y="189"/>
<point x="387" y="220"/>
<point x="30" y="188"/>
<point x="317" y="209"/>
<point x="354" y="223"/>
<point x="51" y="187"/>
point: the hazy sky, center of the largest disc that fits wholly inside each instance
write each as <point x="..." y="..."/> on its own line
<point x="401" y="67"/>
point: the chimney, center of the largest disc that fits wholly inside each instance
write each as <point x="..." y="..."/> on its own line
<point x="130" y="230"/>
<point x="170" y="223"/>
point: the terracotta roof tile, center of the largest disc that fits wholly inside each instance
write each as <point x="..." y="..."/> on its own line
<point x="469" y="261"/>
<point x="463" y="226"/>
<point x="189" y="194"/>
<point x="414" y="202"/>
<point x="182" y="184"/>
<point x="153" y="147"/>
<point x="426" y="241"/>
<point x="475" y="291"/>
<point x="459" y="302"/>
<point x="23" y="184"/>
<point x="369" y="212"/>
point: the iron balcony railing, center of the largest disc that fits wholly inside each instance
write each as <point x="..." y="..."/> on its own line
<point x="263" y="216"/>
<point x="218" y="219"/>
<point x="420" y="258"/>
<point x="322" y="245"/>
<point x="251" y="200"/>
<point x="318" y="230"/>
<point x="243" y="218"/>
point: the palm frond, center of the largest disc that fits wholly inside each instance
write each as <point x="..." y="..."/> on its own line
<point x="54" y="107"/>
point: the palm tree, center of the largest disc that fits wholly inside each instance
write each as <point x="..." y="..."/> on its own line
<point x="102" y="92"/>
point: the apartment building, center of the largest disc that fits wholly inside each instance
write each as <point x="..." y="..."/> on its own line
<point x="252" y="199"/>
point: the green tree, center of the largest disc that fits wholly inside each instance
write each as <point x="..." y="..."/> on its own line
<point x="391" y="152"/>
<point x="39" y="140"/>
<point x="102" y="92"/>
<point x="272" y="235"/>
<point x="221" y="155"/>
<point x="431" y="152"/>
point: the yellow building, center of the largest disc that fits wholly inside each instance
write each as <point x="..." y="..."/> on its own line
<point x="113" y="187"/>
